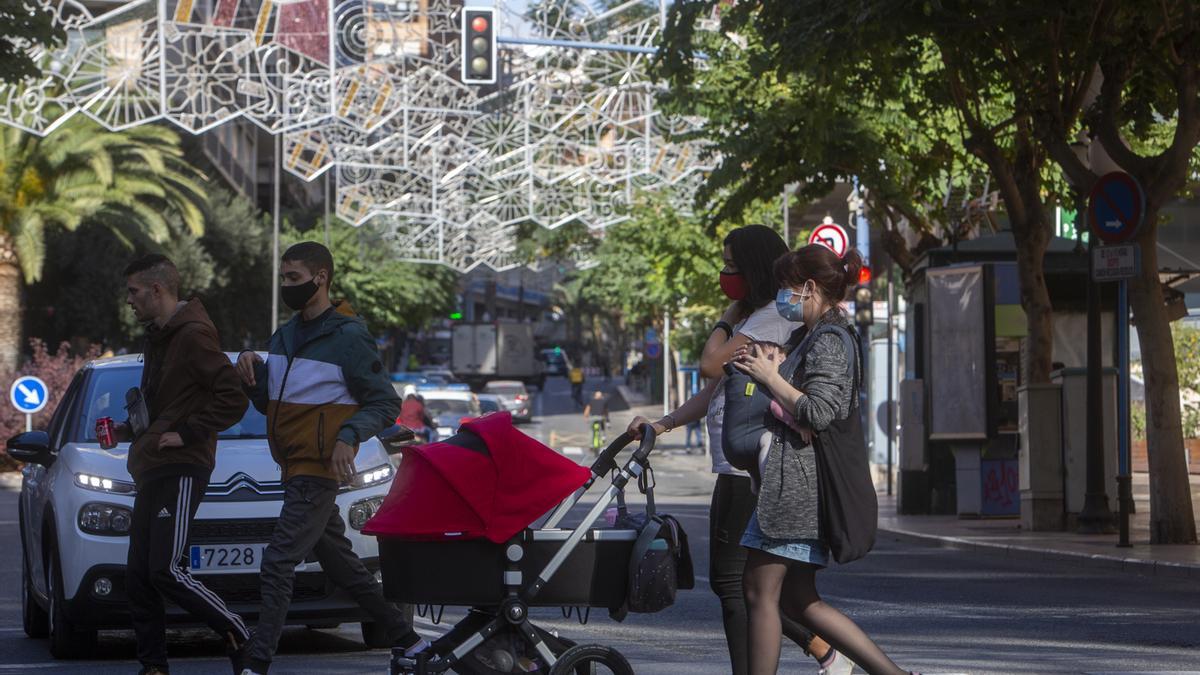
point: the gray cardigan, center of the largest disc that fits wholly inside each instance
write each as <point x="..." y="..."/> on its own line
<point x="787" y="497"/>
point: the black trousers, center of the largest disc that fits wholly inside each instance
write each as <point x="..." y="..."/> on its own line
<point x="157" y="567"/>
<point x="310" y="522"/>
<point x="732" y="505"/>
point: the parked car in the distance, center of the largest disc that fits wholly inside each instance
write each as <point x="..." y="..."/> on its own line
<point x="489" y="403"/>
<point x="449" y="408"/>
<point x="556" y="362"/>
<point x="513" y="396"/>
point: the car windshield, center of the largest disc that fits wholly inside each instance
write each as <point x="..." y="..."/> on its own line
<point x="106" y="398"/>
<point x="506" y="390"/>
<point x="442" y="406"/>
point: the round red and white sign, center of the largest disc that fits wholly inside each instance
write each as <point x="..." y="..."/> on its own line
<point x="832" y="236"/>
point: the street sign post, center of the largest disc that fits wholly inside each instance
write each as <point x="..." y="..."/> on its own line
<point x="832" y="236"/>
<point x="28" y="395"/>
<point x="1116" y="210"/>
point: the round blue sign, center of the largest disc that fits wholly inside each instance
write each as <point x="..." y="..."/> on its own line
<point x="653" y="350"/>
<point x="28" y="394"/>
<point x="1116" y="207"/>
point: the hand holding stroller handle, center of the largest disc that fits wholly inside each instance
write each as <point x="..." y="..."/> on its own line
<point x="647" y="445"/>
<point x="606" y="462"/>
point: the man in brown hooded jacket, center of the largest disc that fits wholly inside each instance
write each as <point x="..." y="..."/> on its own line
<point x="192" y="393"/>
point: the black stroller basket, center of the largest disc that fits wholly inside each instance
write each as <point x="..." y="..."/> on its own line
<point x="547" y="567"/>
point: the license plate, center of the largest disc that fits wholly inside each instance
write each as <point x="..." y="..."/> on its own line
<point x="232" y="557"/>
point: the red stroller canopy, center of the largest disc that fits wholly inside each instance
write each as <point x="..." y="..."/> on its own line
<point x="490" y="480"/>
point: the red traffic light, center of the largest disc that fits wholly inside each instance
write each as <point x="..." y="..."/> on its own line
<point x="864" y="275"/>
<point x="479" y="24"/>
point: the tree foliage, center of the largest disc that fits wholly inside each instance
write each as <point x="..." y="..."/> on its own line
<point x="386" y="292"/>
<point x="132" y="182"/>
<point x="25" y="25"/>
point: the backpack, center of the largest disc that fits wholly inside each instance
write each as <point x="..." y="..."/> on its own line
<point x="847" y="506"/>
<point x="661" y="561"/>
<point x="748" y="409"/>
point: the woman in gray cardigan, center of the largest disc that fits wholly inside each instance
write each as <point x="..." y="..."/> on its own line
<point x="783" y="537"/>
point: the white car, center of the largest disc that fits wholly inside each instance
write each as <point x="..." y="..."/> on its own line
<point x="76" y="504"/>
<point x="514" y="396"/>
<point x="449" y="408"/>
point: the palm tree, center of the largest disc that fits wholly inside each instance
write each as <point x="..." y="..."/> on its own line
<point x="132" y="182"/>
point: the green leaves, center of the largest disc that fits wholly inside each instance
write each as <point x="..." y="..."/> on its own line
<point x="385" y="292"/>
<point x="134" y="181"/>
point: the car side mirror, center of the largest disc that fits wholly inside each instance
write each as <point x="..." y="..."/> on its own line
<point x="31" y="447"/>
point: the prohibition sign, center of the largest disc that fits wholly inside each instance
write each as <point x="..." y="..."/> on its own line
<point x="831" y="236"/>
<point x="1116" y="207"/>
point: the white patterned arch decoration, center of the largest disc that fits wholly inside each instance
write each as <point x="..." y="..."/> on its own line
<point x="369" y="93"/>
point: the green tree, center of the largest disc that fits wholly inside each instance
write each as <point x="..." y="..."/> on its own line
<point x="25" y="25"/>
<point x="1144" y="58"/>
<point x="386" y="292"/>
<point x="129" y="182"/>
<point x="772" y="126"/>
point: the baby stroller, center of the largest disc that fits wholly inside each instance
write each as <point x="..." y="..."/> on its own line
<point x="455" y="530"/>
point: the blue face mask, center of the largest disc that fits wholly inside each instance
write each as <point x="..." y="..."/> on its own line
<point x="788" y="310"/>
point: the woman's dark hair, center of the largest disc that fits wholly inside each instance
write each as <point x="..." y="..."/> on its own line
<point x="832" y="275"/>
<point x="754" y="249"/>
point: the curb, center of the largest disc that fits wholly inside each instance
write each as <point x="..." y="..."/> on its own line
<point x="1112" y="563"/>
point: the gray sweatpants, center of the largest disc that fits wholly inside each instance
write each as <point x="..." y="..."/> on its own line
<point x="308" y="522"/>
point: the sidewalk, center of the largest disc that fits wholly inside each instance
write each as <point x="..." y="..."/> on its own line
<point x="989" y="536"/>
<point x="1006" y="538"/>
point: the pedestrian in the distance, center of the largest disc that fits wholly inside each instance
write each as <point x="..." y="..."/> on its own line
<point x="415" y="416"/>
<point x="786" y="543"/>
<point x="330" y="394"/>
<point x="748" y="281"/>
<point x="576" y="379"/>
<point x="191" y="393"/>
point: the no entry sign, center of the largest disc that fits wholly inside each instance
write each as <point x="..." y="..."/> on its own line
<point x="1116" y="208"/>
<point x="832" y="236"/>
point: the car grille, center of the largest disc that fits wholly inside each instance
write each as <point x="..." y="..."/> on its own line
<point x="212" y="531"/>
<point x="246" y="588"/>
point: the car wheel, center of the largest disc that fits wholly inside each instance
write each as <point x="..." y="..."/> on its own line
<point x="375" y="635"/>
<point x="67" y="641"/>
<point x="34" y="619"/>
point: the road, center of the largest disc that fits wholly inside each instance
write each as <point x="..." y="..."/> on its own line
<point x="934" y="610"/>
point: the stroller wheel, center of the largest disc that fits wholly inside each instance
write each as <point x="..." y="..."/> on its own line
<point x="591" y="660"/>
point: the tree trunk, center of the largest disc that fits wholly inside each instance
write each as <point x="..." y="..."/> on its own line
<point x="10" y="315"/>
<point x="1031" y="233"/>
<point x="1171" y="518"/>
<point x="1032" y="239"/>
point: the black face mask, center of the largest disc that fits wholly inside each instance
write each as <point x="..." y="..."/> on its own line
<point x="298" y="296"/>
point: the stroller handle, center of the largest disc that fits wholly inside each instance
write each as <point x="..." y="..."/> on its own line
<point x="643" y="452"/>
<point x="606" y="461"/>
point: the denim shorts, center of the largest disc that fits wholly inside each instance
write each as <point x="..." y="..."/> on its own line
<point x="811" y="551"/>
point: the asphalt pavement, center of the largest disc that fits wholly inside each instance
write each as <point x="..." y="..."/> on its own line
<point x="932" y="609"/>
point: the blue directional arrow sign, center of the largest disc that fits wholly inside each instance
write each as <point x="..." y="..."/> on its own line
<point x="28" y="394"/>
<point x="1116" y="208"/>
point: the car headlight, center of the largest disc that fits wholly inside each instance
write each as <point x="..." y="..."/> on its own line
<point x="100" y="484"/>
<point x="107" y="520"/>
<point x="362" y="510"/>
<point x="372" y="476"/>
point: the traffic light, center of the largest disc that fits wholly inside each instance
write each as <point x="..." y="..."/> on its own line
<point x="864" y="310"/>
<point x="478" y="45"/>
